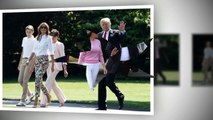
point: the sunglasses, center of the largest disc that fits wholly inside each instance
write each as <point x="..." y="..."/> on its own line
<point x="45" y="27"/>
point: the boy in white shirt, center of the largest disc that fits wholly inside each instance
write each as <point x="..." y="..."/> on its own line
<point x="25" y="70"/>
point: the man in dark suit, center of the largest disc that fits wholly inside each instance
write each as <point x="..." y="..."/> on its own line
<point x="112" y="62"/>
<point x="115" y="54"/>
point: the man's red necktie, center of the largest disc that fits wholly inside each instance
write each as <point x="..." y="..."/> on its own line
<point x="105" y="35"/>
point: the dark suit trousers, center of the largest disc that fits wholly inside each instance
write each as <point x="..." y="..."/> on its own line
<point x="133" y="53"/>
<point x="107" y="81"/>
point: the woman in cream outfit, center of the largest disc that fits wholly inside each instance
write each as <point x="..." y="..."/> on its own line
<point x="51" y="83"/>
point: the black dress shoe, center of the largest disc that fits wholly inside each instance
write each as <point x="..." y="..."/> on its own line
<point x="101" y="109"/>
<point x="121" y="102"/>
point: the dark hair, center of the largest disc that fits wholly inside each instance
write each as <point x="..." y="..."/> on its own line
<point x="54" y="32"/>
<point x="93" y="28"/>
<point x="122" y="22"/>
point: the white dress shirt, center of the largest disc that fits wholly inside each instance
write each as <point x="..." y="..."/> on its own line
<point x="43" y="46"/>
<point x="107" y="34"/>
<point x="124" y="54"/>
<point x="27" y="44"/>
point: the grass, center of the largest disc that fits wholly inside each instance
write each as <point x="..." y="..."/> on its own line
<point x="198" y="78"/>
<point x="137" y="92"/>
<point x="171" y="76"/>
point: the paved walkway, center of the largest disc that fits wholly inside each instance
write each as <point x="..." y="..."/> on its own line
<point x="68" y="107"/>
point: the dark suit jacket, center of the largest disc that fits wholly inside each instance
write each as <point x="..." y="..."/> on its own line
<point x="114" y="40"/>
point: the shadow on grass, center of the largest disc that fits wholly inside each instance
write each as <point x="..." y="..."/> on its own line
<point x="128" y="105"/>
<point x="131" y="105"/>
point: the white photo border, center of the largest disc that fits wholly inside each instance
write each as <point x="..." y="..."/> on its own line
<point x="151" y="7"/>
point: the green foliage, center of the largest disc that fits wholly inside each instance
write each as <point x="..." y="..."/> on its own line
<point x="71" y="25"/>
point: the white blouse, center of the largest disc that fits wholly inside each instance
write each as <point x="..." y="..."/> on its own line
<point x="43" y="46"/>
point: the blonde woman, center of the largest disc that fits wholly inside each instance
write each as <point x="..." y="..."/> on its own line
<point x="40" y="51"/>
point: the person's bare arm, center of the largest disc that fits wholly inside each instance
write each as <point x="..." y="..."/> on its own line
<point x="31" y="57"/>
<point x="65" y="70"/>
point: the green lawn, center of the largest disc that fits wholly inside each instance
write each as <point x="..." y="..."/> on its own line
<point x="198" y="78"/>
<point x="172" y="78"/>
<point x="137" y="92"/>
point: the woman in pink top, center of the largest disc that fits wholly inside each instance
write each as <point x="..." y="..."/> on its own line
<point x="92" y="59"/>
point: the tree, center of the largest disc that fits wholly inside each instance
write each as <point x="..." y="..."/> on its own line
<point x="72" y="25"/>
